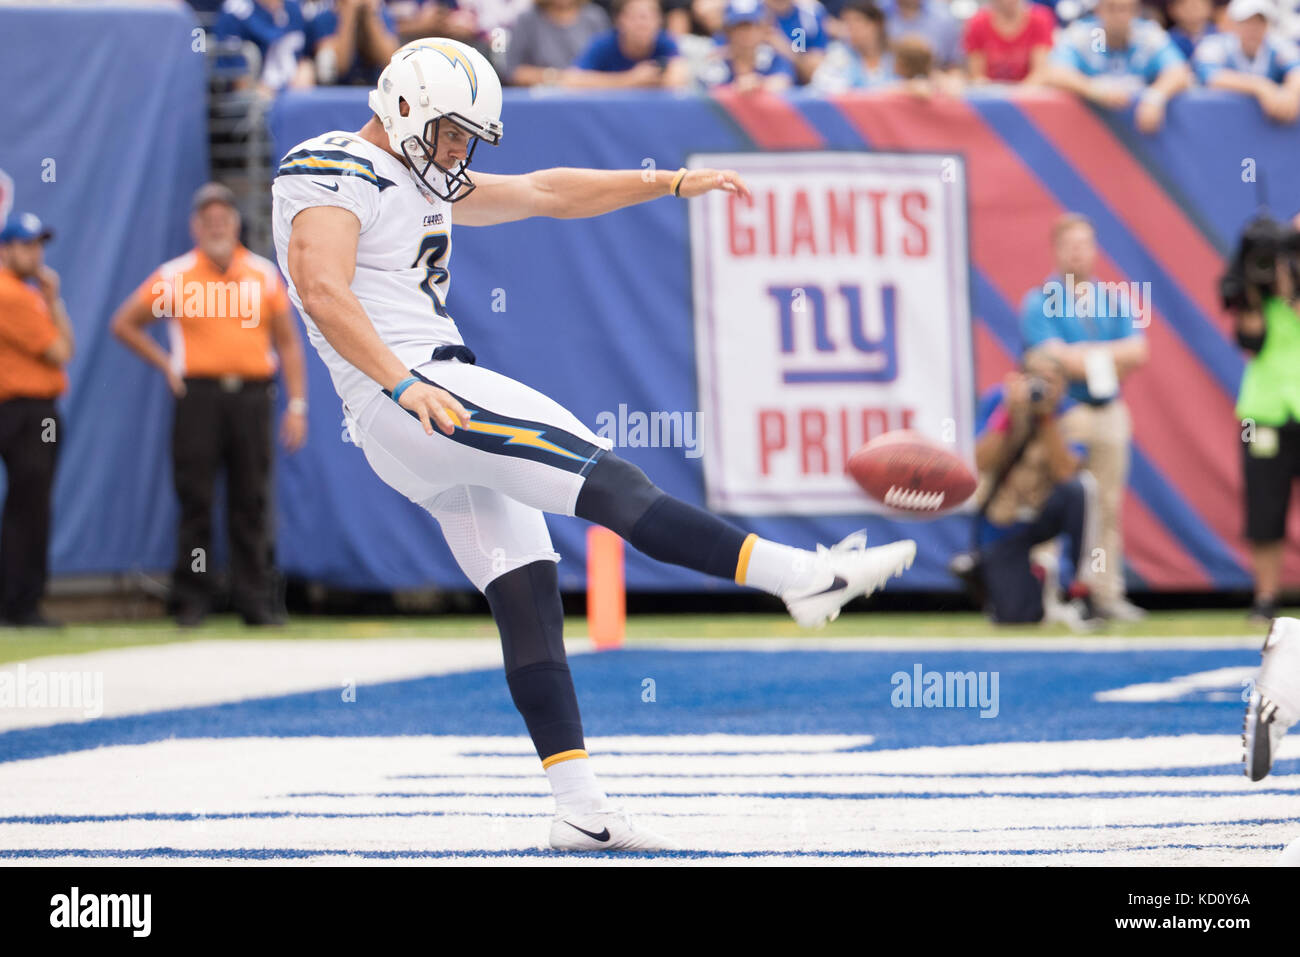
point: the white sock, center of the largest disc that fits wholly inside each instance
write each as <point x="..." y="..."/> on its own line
<point x="574" y="783"/>
<point x="776" y="569"/>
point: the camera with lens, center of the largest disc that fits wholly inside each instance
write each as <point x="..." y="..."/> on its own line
<point x="1038" y="390"/>
<point x="1252" y="275"/>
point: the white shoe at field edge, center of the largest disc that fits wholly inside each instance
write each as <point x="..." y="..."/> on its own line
<point x="845" y="572"/>
<point x="1275" y="700"/>
<point x="607" y="829"/>
<point x="1122" y="610"/>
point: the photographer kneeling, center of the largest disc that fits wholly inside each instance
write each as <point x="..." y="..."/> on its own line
<point x="1260" y="290"/>
<point x="1031" y="491"/>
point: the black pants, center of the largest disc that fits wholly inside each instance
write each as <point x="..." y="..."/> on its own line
<point x="1014" y="594"/>
<point x="219" y="427"/>
<point x="1271" y="463"/>
<point x="30" y="433"/>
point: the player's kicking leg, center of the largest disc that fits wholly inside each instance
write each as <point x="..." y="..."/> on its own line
<point x="1275" y="700"/>
<point x="521" y="454"/>
<point x="815" y="586"/>
<point x="532" y="449"/>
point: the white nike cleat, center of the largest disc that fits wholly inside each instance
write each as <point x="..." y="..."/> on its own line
<point x="609" y="829"/>
<point x="846" y="571"/>
<point x="1275" y="701"/>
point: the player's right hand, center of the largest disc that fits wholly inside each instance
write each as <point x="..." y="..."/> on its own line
<point x="432" y="405"/>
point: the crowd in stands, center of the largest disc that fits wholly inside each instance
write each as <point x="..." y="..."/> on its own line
<point x="1110" y="51"/>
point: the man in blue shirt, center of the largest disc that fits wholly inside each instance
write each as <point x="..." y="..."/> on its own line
<point x="638" y="52"/>
<point x="1094" y="331"/>
<point x="278" y="29"/>
<point x="1191" y="21"/>
<point x="745" y="62"/>
<point x="1253" y="59"/>
<point x="1119" y="56"/>
<point x="798" y="28"/>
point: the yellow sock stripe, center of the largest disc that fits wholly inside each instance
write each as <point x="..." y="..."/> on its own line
<point x="742" y="563"/>
<point x="563" y="756"/>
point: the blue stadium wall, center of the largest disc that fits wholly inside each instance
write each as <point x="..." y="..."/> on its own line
<point x="599" y="314"/>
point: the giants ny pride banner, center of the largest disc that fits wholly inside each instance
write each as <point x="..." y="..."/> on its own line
<point x="832" y="305"/>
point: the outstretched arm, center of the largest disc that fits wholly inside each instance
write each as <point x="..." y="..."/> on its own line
<point x="564" y="193"/>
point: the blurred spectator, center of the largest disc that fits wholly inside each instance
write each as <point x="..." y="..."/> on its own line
<point x="496" y="18"/>
<point x="278" y="29"/>
<point x="679" y="18"/>
<point x="699" y="46"/>
<point x="1191" y="21"/>
<point x="747" y="63"/>
<point x="1130" y="57"/>
<point x="549" y="37"/>
<point x="915" y="65"/>
<point x="638" y="52"/>
<point x="351" y="40"/>
<point x="35" y="344"/>
<point x="1252" y="59"/>
<point x="798" y="29"/>
<point x="930" y="20"/>
<point x="862" y="59"/>
<point x="1031" y="492"/>
<point x="1008" y="41"/>
<point x="1089" y="328"/>
<point x="229" y="315"/>
<point x="437" y="18"/>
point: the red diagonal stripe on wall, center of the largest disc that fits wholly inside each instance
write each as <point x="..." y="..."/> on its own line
<point x="770" y="121"/>
<point x="1112" y="172"/>
<point x="1156" y="556"/>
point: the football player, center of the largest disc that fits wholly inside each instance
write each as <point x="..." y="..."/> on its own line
<point x="362" y="224"/>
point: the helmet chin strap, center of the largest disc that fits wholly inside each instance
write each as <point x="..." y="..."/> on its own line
<point x="456" y="181"/>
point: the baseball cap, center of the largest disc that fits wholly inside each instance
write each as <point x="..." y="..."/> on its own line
<point x="25" y="227"/>
<point x="742" y="11"/>
<point x="1242" y="10"/>
<point x="214" y="193"/>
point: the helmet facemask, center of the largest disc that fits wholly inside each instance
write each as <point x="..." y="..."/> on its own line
<point x="421" y="153"/>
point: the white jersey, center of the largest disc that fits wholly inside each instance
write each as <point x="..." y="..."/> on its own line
<point x="401" y="276"/>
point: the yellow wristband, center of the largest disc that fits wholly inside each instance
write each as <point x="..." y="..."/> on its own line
<point x="677" y="182"/>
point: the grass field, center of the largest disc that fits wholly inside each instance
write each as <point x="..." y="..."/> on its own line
<point x="21" y="644"/>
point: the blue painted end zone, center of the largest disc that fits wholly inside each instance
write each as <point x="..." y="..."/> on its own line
<point x="1043" y="696"/>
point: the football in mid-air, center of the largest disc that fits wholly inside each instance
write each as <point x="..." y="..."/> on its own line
<point x="909" y="472"/>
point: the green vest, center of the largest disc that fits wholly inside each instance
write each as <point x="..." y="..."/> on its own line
<point x="1270" y="387"/>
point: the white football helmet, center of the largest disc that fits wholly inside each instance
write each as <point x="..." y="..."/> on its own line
<point x="439" y="79"/>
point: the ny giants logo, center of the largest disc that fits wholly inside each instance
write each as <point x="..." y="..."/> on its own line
<point x="844" y="333"/>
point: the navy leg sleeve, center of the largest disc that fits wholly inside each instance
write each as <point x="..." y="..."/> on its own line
<point x="526" y="605"/>
<point x="618" y="495"/>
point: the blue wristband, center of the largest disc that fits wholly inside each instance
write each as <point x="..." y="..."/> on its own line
<point x="402" y="386"/>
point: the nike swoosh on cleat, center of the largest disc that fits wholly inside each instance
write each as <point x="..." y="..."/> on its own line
<point x="332" y="187"/>
<point x="834" y="586"/>
<point x="603" y="836"/>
